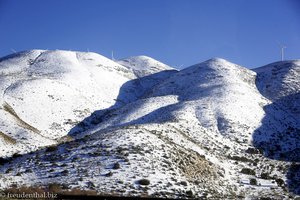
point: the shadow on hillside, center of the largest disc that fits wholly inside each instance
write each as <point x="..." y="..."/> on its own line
<point x="192" y="89"/>
<point x="279" y="136"/>
<point x="129" y="92"/>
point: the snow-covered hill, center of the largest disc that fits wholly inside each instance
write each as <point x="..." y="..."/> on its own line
<point x="45" y="93"/>
<point x="280" y="128"/>
<point x="217" y="94"/>
<point x="144" y="65"/>
<point x="214" y="130"/>
<point x="279" y="135"/>
<point x="279" y="79"/>
<point x="280" y="82"/>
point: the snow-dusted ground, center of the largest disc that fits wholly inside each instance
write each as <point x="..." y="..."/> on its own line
<point x="214" y="129"/>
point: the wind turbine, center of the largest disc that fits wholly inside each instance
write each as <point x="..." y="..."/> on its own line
<point x="112" y="55"/>
<point x="282" y="47"/>
<point x="282" y="52"/>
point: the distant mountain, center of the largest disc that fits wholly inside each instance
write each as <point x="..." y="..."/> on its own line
<point x="143" y="65"/>
<point x="213" y="130"/>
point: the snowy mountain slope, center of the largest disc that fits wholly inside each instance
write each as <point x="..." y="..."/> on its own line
<point x="280" y="139"/>
<point x="45" y="93"/>
<point x="194" y="110"/>
<point x="280" y="82"/>
<point x="223" y="112"/>
<point x="196" y="133"/>
<point x="279" y="79"/>
<point x="217" y="93"/>
<point x="144" y="65"/>
<point x="132" y="91"/>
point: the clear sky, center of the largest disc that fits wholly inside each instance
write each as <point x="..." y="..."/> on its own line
<point x="177" y="32"/>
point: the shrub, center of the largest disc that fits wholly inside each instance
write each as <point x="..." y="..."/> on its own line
<point x="3" y="161"/>
<point x="108" y="174"/>
<point x="51" y="148"/>
<point x="184" y="183"/>
<point x="16" y="155"/>
<point x="28" y="171"/>
<point x="189" y="193"/>
<point x="238" y="158"/>
<point x="65" y="172"/>
<point x="116" y="165"/>
<point x="280" y="182"/>
<point x="143" y="182"/>
<point x="90" y="184"/>
<point x="253" y="181"/>
<point x="251" y="150"/>
<point x="8" y="170"/>
<point x="248" y="171"/>
<point x="18" y="174"/>
<point x="264" y="176"/>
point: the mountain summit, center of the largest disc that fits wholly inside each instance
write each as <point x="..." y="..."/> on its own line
<point x="144" y="65"/>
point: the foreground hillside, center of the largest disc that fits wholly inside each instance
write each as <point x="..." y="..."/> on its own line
<point x="215" y="130"/>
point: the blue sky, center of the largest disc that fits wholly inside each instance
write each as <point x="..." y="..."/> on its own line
<point x="177" y="32"/>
